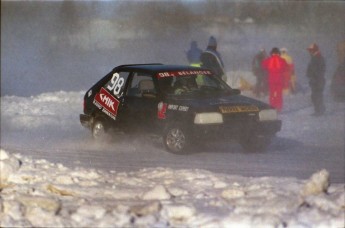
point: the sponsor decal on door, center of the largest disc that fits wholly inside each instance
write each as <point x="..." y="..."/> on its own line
<point x="107" y="102"/>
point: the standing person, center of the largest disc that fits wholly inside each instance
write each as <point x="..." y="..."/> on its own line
<point x="289" y="75"/>
<point x="275" y="66"/>
<point x="338" y="79"/>
<point x="211" y="59"/>
<point x="261" y="86"/>
<point x="193" y="54"/>
<point x="316" y="74"/>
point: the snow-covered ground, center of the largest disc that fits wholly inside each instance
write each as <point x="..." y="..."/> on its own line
<point x="37" y="192"/>
<point x="42" y="194"/>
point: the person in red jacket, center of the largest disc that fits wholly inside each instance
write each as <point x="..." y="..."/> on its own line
<point x="275" y="67"/>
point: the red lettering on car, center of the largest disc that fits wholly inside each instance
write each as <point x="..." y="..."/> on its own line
<point x="183" y="73"/>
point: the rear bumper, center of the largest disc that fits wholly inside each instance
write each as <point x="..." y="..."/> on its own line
<point x="85" y="120"/>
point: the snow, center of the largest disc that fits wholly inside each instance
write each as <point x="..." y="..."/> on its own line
<point x="51" y="175"/>
<point x="161" y="197"/>
<point x="40" y="193"/>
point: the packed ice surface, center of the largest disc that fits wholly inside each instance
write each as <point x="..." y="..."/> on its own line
<point x="36" y="192"/>
<point x="42" y="194"/>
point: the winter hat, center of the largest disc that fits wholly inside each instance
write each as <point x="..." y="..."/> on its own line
<point x="283" y="49"/>
<point x="313" y="48"/>
<point x="193" y="44"/>
<point x="212" y="42"/>
<point x="275" y="50"/>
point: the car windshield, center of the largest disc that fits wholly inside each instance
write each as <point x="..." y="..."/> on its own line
<point x="191" y="83"/>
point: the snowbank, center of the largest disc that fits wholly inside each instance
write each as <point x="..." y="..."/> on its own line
<point x="42" y="194"/>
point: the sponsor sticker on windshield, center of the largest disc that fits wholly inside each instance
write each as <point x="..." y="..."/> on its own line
<point x="232" y="109"/>
<point x="183" y="73"/>
<point x="107" y="102"/>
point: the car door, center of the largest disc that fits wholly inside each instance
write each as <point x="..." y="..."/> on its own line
<point x="140" y="103"/>
<point x="109" y="99"/>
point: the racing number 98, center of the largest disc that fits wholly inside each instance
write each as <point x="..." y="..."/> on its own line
<point x="116" y="84"/>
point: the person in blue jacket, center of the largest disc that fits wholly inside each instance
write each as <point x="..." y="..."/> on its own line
<point x="193" y="54"/>
<point x="212" y="59"/>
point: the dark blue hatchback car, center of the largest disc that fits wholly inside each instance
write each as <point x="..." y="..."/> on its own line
<point x="183" y="104"/>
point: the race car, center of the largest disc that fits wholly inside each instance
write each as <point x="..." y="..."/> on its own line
<point x="183" y="105"/>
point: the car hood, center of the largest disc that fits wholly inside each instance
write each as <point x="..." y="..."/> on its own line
<point x="214" y="103"/>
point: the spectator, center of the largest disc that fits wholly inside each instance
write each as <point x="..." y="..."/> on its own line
<point x="275" y="66"/>
<point x="338" y="80"/>
<point x="289" y="75"/>
<point x="316" y="74"/>
<point x="261" y="86"/>
<point x="212" y="60"/>
<point x="193" y="54"/>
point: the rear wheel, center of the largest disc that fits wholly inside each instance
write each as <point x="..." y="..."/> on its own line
<point x="175" y="139"/>
<point x="99" y="130"/>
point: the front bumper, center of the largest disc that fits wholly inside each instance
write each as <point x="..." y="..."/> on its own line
<point x="236" y="131"/>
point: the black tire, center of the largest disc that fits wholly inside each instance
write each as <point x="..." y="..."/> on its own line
<point x="255" y="143"/>
<point x="175" y="139"/>
<point x="99" y="129"/>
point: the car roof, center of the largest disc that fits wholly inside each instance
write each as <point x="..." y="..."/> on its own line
<point x="157" y="67"/>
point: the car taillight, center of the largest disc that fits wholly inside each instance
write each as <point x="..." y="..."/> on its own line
<point x="162" y="108"/>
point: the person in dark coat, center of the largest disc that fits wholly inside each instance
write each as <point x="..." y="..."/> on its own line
<point x="212" y="60"/>
<point x="316" y="74"/>
<point x="338" y="79"/>
<point x="261" y="86"/>
<point x="193" y="54"/>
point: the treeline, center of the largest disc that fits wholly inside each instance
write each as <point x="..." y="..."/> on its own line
<point x="322" y="15"/>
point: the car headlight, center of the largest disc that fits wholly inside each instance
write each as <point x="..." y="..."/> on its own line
<point x="208" y="118"/>
<point x="268" y="114"/>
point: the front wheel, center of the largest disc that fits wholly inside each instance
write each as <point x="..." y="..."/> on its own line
<point x="175" y="139"/>
<point x="255" y="143"/>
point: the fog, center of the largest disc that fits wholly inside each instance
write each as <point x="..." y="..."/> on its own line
<point x="68" y="45"/>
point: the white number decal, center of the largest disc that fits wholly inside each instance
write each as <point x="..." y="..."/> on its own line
<point x="116" y="84"/>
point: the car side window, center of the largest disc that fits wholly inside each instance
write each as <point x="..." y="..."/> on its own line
<point x="141" y="84"/>
<point x="116" y="84"/>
